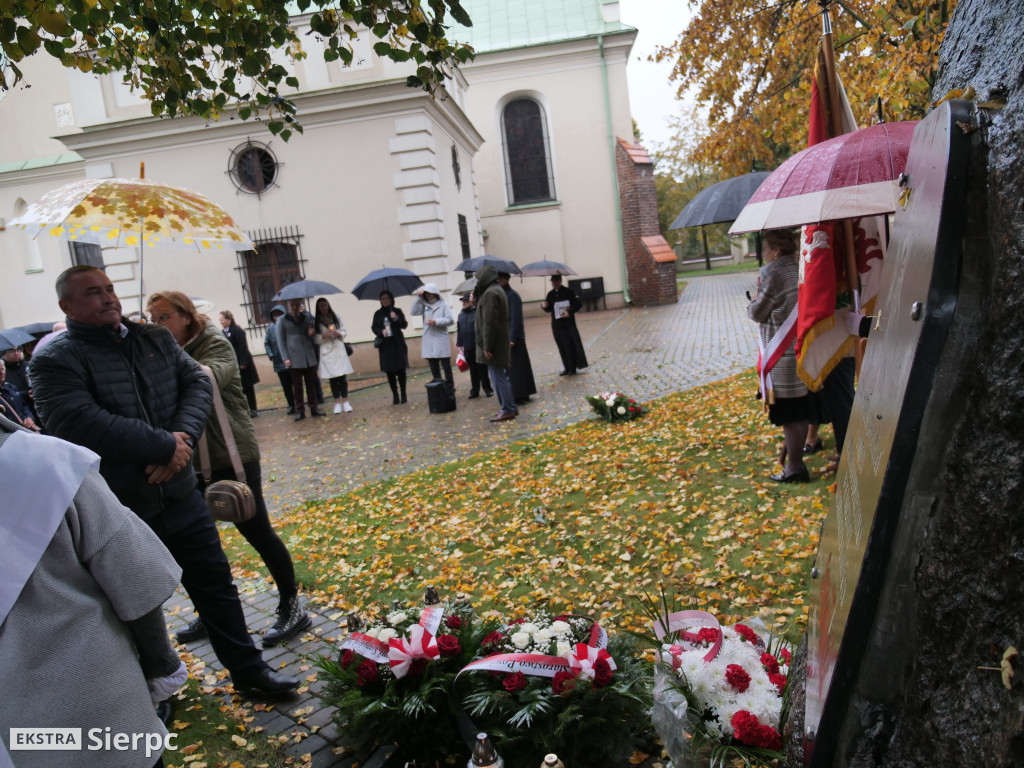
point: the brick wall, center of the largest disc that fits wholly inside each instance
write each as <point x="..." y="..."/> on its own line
<point x="651" y="282"/>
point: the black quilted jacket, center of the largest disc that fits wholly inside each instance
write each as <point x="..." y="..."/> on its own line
<point x="122" y="398"/>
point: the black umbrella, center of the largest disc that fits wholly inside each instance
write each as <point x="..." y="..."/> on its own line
<point x="304" y="289"/>
<point x="401" y="282"/>
<point x="14" y="337"/>
<point x="719" y="203"/>
<point x="545" y="267"/>
<point x="502" y="265"/>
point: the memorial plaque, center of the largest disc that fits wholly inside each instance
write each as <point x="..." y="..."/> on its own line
<point x="916" y="302"/>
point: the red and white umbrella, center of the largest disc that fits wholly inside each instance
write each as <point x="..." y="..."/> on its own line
<point x="847" y="177"/>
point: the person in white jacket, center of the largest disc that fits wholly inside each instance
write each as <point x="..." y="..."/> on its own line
<point x="437" y="316"/>
<point x="335" y="365"/>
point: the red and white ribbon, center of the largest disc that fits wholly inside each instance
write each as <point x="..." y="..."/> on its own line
<point x="367" y="647"/>
<point x="683" y="620"/>
<point x="420" y="644"/>
<point x="584" y="658"/>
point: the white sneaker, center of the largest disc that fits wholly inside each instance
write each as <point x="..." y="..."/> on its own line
<point x="346" y="408"/>
<point x="337" y="408"/>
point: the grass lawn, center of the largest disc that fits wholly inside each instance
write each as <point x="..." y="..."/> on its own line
<point x="582" y="519"/>
<point x="750" y="266"/>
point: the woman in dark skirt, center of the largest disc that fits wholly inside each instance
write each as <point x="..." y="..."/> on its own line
<point x="790" y="404"/>
<point x="246" y="366"/>
<point x="388" y="322"/>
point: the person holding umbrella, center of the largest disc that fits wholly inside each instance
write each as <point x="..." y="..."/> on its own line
<point x="274" y="353"/>
<point x="437" y="349"/>
<point x="295" y="340"/>
<point x="563" y="304"/>
<point x="387" y="326"/>
<point x="465" y="340"/>
<point x="335" y="365"/>
<point x="246" y="365"/>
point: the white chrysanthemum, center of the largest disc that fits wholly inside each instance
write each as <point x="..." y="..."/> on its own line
<point x="528" y="627"/>
<point x="563" y="649"/>
<point x="620" y="410"/>
<point x="520" y="640"/>
<point x="543" y="636"/>
<point x="387" y="633"/>
<point x="396" y="618"/>
<point x="610" y="402"/>
<point x="560" y="627"/>
<point x="372" y="632"/>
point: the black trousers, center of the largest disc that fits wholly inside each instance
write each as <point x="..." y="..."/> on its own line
<point x="250" y="395"/>
<point x="339" y="387"/>
<point x="838" y="393"/>
<point x="436" y="363"/>
<point x="285" y="378"/>
<point x="261" y="534"/>
<point x="478" y="376"/>
<point x="312" y="381"/>
<point x="187" y="530"/>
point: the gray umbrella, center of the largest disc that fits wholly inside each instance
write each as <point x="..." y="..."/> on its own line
<point x="305" y="289"/>
<point x="36" y="329"/>
<point x="720" y="202"/>
<point x="14" y="337"/>
<point x="502" y="265"/>
<point x="545" y="267"/>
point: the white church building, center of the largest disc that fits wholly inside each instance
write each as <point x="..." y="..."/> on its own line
<point x="517" y="159"/>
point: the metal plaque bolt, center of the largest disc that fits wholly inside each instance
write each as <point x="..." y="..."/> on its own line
<point x="815" y="573"/>
<point x="811" y="733"/>
<point x="915" y="310"/>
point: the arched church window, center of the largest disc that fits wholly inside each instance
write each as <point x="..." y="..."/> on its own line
<point x="528" y="175"/>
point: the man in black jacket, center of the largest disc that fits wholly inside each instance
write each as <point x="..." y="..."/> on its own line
<point x="132" y="395"/>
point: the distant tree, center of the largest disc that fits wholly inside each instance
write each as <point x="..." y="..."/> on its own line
<point x="200" y="56"/>
<point x="748" y="63"/>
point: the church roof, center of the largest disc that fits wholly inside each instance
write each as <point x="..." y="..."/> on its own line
<point x="503" y="24"/>
<point x="499" y="25"/>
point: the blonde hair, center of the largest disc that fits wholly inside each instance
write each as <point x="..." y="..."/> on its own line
<point x="182" y="304"/>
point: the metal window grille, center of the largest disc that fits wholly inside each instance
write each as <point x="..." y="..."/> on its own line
<point x="464" y="236"/>
<point x="528" y="175"/>
<point x="276" y="262"/>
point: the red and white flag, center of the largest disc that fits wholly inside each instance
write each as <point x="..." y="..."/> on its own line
<point x="825" y="293"/>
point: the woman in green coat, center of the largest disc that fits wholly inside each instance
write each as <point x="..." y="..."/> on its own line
<point x="206" y="344"/>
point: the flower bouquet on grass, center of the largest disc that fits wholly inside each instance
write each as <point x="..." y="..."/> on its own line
<point x="393" y="677"/>
<point x="720" y="693"/>
<point x="557" y="684"/>
<point x="613" y="406"/>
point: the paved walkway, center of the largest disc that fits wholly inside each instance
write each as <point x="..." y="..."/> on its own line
<point x="646" y="353"/>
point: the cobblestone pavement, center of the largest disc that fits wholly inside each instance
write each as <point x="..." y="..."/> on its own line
<point x="646" y="353"/>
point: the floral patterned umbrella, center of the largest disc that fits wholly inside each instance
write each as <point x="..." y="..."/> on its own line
<point x="132" y="212"/>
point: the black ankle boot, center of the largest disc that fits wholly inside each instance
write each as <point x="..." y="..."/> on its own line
<point x="404" y="400"/>
<point x="394" y="397"/>
<point x="291" y="619"/>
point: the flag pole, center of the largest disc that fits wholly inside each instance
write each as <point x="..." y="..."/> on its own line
<point x="836" y="125"/>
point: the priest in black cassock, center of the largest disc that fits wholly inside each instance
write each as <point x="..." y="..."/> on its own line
<point x="520" y="372"/>
<point x="563" y="304"/>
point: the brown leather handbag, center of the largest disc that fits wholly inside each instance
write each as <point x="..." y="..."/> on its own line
<point x="231" y="501"/>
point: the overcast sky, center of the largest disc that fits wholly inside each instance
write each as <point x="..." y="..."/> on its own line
<point x="651" y="98"/>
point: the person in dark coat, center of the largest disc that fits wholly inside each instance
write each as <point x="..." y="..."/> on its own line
<point x="520" y="373"/>
<point x="388" y="322"/>
<point x="132" y="395"/>
<point x="492" y="338"/>
<point x="563" y="304"/>
<point x="274" y="353"/>
<point x="295" y="340"/>
<point x="465" y="339"/>
<point x="17" y="375"/>
<point x="246" y="365"/>
<point x="12" y="406"/>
